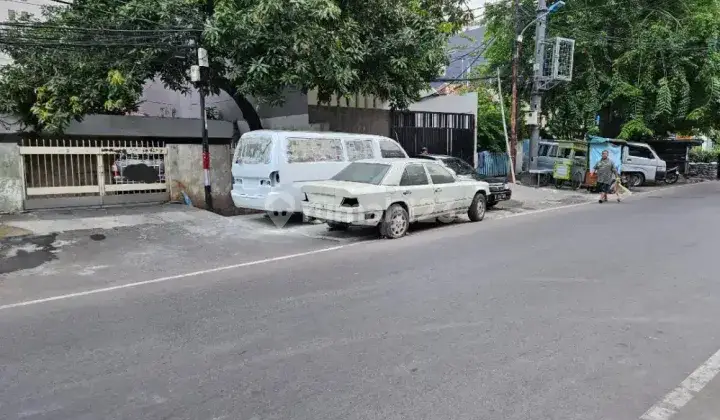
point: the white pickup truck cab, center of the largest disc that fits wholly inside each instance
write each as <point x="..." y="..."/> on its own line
<point x="641" y="164"/>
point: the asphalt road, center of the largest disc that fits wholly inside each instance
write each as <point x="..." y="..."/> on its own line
<point x="591" y="312"/>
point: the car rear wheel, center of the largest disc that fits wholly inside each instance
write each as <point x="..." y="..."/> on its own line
<point x="395" y="222"/>
<point x="476" y="212"/>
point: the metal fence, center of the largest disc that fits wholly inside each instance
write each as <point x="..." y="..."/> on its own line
<point x="442" y="133"/>
<point x="62" y="172"/>
<point x="492" y="164"/>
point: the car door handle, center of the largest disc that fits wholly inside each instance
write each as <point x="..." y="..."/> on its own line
<point x="438" y="189"/>
<point x="407" y="192"/>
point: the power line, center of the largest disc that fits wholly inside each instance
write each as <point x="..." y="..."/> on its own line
<point x="39" y="25"/>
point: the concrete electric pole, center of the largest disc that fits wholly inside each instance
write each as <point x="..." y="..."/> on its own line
<point x="536" y="98"/>
<point x="514" y="105"/>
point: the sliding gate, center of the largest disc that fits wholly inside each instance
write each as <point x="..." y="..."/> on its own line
<point x="79" y="173"/>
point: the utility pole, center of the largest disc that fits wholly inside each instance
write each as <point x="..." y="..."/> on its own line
<point x="514" y="106"/>
<point x="538" y="65"/>
<point x="204" y="66"/>
<point x="200" y="75"/>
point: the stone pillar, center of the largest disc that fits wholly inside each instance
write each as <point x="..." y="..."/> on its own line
<point x="11" y="179"/>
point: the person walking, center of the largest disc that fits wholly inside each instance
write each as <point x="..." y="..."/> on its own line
<point x="606" y="172"/>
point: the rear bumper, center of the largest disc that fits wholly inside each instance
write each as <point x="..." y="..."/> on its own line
<point x="269" y="202"/>
<point x="352" y="216"/>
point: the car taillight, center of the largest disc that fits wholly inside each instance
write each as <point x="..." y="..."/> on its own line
<point x="115" y="171"/>
<point x="274" y="178"/>
<point x="349" y="202"/>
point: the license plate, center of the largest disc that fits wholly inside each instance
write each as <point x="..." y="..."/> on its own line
<point x="501" y="196"/>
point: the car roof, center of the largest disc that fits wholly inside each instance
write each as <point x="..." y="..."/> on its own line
<point x="440" y="156"/>
<point x="392" y="161"/>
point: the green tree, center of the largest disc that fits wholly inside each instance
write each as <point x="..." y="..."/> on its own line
<point x="93" y="56"/>
<point x="490" y="131"/>
<point x="646" y="67"/>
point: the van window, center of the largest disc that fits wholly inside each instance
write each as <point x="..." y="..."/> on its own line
<point x="359" y="149"/>
<point x="301" y="150"/>
<point x="543" y="150"/>
<point x="640" y="152"/>
<point x="553" y="151"/>
<point x="390" y="149"/>
<point x="254" y="150"/>
<point x="580" y="154"/>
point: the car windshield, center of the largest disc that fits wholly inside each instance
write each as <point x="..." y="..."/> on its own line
<point x="459" y="166"/>
<point x="365" y="173"/>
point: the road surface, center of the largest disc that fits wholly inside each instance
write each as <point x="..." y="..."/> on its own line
<point x="590" y="312"/>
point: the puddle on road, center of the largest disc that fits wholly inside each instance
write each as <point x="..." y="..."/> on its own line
<point x="26" y="252"/>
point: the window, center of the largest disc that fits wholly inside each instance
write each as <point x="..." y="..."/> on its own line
<point x="314" y="150"/>
<point x="365" y="173"/>
<point x="640" y="152"/>
<point x="580" y="154"/>
<point x="254" y="150"/>
<point x="359" y="149"/>
<point x="414" y="175"/>
<point x="12" y="15"/>
<point x="459" y="166"/>
<point x="543" y="149"/>
<point x="553" y="151"/>
<point x="439" y="175"/>
<point x="25" y="15"/>
<point x="390" y="149"/>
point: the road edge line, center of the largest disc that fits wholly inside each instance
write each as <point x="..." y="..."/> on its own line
<point x="175" y="277"/>
<point x="686" y="391"/>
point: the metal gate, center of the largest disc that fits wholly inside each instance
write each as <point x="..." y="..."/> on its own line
<point x="442" y="133"/>
<point x="80" y="173"/>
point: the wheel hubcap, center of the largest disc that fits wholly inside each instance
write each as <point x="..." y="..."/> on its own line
<point x="398" y="224"/>
<point x="480" y="207"/>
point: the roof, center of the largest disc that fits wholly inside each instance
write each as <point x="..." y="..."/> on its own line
<point x="463" y="54"/>
<point x="316" y="134"/>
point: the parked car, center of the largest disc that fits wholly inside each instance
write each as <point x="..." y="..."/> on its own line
<point x="270" y="166"/>
<point x="391" y="194"/>
<point x="499" y="187"/>
<point x="138" y="169"/>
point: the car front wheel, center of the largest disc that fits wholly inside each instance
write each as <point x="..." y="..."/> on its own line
<point x="395" y="223"/>
<point x="476" y="212"/>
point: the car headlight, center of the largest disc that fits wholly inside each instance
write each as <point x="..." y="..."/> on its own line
<point x="506" y="186"/>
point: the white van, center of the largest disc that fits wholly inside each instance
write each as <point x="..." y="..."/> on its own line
<point x="269" y="166"/>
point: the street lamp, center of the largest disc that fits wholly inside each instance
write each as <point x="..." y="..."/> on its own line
<point x="516" y="56"/>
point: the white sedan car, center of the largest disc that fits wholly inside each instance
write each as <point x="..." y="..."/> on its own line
<point x="393" y="194"/>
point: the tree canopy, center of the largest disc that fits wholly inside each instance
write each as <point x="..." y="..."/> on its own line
<point x="94" y="56"/>
<point x="645" y="67"/>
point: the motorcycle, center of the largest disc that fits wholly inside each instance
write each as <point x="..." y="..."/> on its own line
<point x="672" y="175"/>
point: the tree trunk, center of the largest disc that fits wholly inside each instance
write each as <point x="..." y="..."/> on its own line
<point x="247" y="109"/>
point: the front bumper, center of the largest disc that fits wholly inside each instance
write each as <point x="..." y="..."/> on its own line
<point x="500" y="195"/>
<point x="350" y="215"/>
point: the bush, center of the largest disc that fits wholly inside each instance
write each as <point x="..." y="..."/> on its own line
<point x="698" y="155"/>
